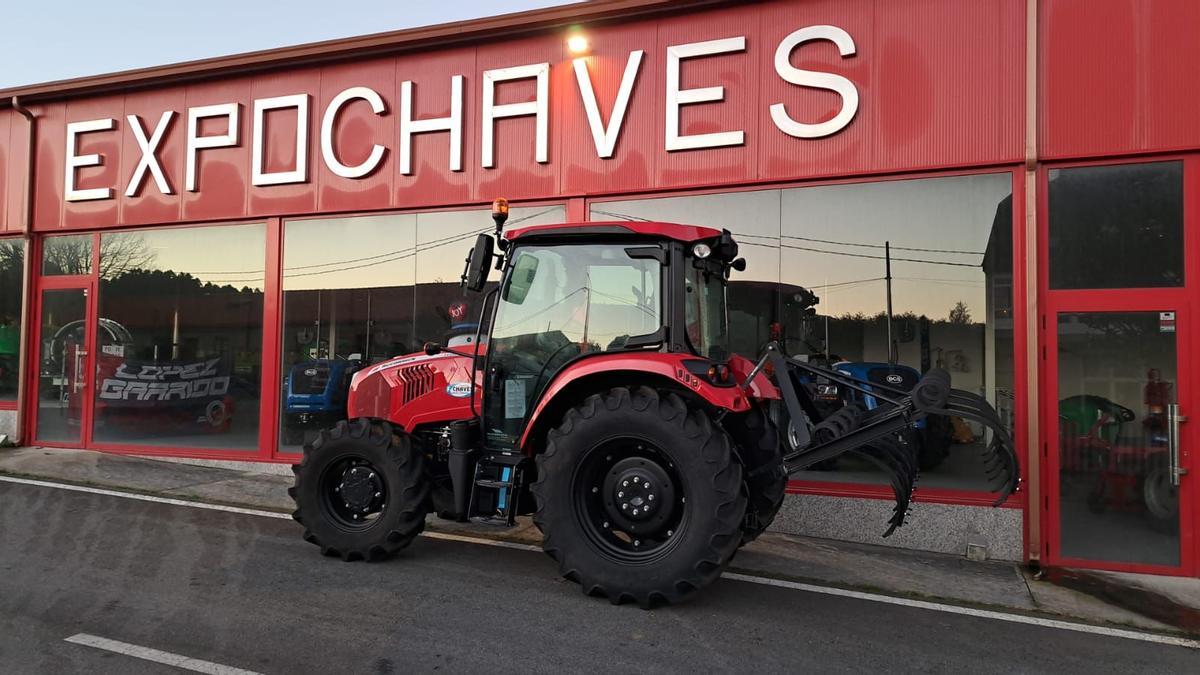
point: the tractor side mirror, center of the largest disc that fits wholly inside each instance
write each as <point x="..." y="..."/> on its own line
<point x="479" y="263"/>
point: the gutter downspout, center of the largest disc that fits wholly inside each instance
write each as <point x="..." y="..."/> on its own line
<point x="26" y="275"/>
<point x="1034" y="512"/>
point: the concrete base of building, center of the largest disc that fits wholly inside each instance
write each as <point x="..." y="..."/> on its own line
<point x="939" y="528"/>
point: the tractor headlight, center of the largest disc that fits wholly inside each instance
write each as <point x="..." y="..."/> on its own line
<point x="701" y="250"/>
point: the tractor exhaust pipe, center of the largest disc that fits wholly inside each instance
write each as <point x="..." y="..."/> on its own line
<point x="463" y="436"/>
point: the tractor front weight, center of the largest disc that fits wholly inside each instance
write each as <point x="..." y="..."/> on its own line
<point x="879" y="435"/>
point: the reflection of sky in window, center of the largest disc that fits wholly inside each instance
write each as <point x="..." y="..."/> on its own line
<point x="833" y="237"/>
<point x="232" y="255"/>
<point x="390" y="250"/>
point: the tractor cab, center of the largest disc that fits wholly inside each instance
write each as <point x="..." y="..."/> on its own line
<point x="578" y="290"/>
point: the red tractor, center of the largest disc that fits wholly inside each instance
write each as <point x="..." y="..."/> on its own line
<point x="600" y="396"/>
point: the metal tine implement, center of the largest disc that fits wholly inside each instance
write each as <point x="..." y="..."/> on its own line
<point x="881" y="435"/>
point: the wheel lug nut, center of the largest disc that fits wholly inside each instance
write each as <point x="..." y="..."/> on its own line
<point x="595" y="490"/>
<point x="670" y="532"/>
<point x="637" y="542"/>
<point x="635" y="512"/>
<point x="624" y="507"/>
<point x="620" y="494"/>
<point x="650" y="497"/>
<point x="605" y="525"/>
<point x="647" y="486"/>
<point x="625" y="484"/>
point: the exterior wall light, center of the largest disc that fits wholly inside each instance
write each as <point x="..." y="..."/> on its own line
<point x="577" y="44"/>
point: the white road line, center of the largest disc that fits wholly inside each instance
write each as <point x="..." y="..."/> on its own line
<point x="734" y="576"/>
<point x="968" y="611"/>
<point x="156" y="655"/>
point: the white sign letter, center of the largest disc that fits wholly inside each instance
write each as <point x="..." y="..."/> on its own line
<point x="73" y="162"/>
<point x="809" y="78"/>
<point x="606" y="138"/>
<point x="538" y="107"/>
<point x="300" y="173"/>
<point x="196" y="142"/>
<point x="331" y="113"/>
<point x="677" y="97"/>
<point x="149" y="161"/>
<point x="409" y="126"/>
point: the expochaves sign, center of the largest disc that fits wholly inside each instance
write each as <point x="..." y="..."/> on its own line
<point x="148" y="134"/>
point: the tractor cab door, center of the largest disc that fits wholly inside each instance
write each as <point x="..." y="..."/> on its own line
<point x="558" y="303"/>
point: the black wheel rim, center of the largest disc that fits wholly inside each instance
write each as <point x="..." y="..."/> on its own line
<point x="354" y="493"/>
<point x="630" y="500"/>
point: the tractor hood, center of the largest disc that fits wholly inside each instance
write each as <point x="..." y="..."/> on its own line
<point x="414" y="389"/>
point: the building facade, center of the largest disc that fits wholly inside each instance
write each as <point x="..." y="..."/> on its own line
<point x="193" y="257"/>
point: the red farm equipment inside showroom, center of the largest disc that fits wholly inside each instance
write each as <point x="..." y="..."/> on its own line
<point x="602" y="398"/>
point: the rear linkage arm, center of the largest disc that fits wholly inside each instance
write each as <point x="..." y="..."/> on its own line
<point x="877" y="435"/>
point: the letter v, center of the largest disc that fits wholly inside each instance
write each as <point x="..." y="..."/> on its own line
<point x="606" y="138"/>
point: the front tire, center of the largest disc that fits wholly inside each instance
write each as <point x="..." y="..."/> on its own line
<point x="610" y="458"/>
<point x="361" y="491"/>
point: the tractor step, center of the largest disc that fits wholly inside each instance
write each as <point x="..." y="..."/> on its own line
<point x="497" y="486"/>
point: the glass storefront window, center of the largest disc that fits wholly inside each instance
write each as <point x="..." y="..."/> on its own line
<point x="1117" y="373"/>
<point x="179" y="359"/>
<point x="360" y="290"/>
<point x="816" y="283"/>
<point x="12" y="262"/>
<point x="68" y="255"/>
<point x="1116" y="226"/>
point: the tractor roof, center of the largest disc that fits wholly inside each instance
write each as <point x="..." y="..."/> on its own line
<point x="685" y="233"/>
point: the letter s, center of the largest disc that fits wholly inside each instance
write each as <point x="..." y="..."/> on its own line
<point x="809" y="78"/>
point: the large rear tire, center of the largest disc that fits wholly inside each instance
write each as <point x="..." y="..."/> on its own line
<point x="361" y="491"/>
<point x="613" y="456"/>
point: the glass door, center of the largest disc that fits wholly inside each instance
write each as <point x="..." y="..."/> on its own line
<point x="1120" y="387"/>
<point x="63" y="396"/>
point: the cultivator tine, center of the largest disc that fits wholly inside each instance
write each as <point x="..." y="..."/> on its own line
<point x="880" y="435"/>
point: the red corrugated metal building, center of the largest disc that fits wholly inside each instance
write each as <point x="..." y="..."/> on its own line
<point x="1031" y="164"/>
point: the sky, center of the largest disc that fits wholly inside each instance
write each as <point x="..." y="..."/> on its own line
<point x="49" y="40"/>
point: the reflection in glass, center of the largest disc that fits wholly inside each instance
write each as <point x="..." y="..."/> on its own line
<point x="182" y="310"/>
<point x="67" y="255"/>
<point x="360" y="290"/>
<point x="62" y="366"/>
<point x="1116" y="226"/>
<point x="12" y="259"/>
<point x="1116" y="376"/>
<point x="816" y="283"/>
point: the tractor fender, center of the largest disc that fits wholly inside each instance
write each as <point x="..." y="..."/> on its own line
<point x="650" y="368"/>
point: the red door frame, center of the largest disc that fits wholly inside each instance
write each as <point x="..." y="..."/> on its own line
<point x="1178" y="299"/>
<point x="88" y="284"/>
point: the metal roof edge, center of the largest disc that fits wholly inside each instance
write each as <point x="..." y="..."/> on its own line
<point x="408" y="39"/>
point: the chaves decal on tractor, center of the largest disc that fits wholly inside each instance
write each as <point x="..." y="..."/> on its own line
<point x="459" y="389"/>
<point x="609" y="406"/>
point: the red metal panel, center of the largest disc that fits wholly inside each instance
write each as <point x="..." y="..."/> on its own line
<point x="632" y="165"/>
<point x="16" y="169"/>
<point x="48" y="186"/>
<point x="516" y="175"/>
<point x="949" y="83"/>
<point x="1089" y="76"/>
<point x="279" y="143"/>
<point x="783" y="156"/>
<point x="738" y="73"/>
<point x="149" y="205"/>
<point x="1170" y="67"/>
<point x="223" y="174"/>
<point x="6" y="222"/>
<point x="356" y="131"/>
<point x="80" y="215"/>
<point x="431" y="181"/>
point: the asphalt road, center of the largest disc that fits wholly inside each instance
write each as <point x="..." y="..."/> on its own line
<point x="244" y="591"/>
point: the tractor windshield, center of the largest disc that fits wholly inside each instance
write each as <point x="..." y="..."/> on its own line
<point x="707" y="323"/>
<point x="557" y="303"/>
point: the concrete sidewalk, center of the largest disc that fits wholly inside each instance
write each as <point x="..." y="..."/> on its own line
<point x="1150" y="603"/>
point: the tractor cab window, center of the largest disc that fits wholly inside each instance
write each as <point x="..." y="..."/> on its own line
<point x="707" y="323"/>
<point x="556" y="304"/>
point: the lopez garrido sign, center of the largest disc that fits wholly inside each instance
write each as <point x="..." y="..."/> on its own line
<point x="148" y="138"/>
